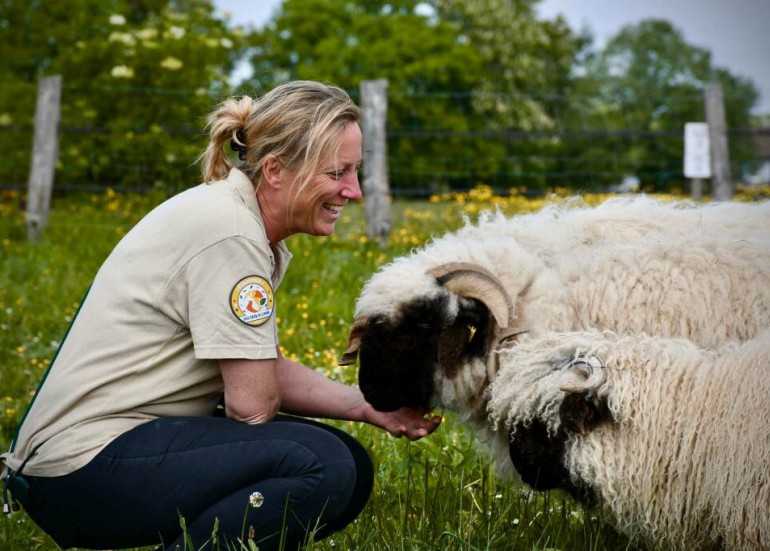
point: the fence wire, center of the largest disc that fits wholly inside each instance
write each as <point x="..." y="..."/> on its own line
<point x="141" y="139"/>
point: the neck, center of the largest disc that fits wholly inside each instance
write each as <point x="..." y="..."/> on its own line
<point x="272" y="218"/>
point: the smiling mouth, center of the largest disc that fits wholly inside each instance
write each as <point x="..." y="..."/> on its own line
<point x="336" y="209"/>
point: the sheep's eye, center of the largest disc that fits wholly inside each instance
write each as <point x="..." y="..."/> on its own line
<point x="471" y="332"/>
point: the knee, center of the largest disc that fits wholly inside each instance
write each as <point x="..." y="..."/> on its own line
<point x="351" y="497"/>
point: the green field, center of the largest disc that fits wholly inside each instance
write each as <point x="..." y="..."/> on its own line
<point x="438" y="493"/>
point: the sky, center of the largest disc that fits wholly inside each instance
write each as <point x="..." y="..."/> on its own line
<point x="737" y="32"/>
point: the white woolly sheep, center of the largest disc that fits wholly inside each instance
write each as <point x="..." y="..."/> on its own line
<point x="426" y="323"/>
<point x="671" y="440"/>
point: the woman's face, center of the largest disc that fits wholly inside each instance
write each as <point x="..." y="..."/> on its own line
<point x="317" y="208"/>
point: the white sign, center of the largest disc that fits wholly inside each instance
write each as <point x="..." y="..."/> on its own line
<point x="697" y="153"/>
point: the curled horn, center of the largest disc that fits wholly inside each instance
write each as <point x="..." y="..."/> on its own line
<point x="471" y="280"/>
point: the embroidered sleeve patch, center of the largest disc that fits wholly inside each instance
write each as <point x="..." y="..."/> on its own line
<point x="252" y="300"/>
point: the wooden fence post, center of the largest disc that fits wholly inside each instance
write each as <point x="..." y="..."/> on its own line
<point x="374" y="105"/>
<point x="45" y="150"/>
<point x="721" y="183"/>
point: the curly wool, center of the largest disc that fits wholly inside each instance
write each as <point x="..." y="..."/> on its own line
<point x="628" y="265"/>
<point x="685" y="459"/>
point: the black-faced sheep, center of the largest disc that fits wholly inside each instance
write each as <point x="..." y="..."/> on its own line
<point x="671" y="440"/>
<point x="426" y="324"/>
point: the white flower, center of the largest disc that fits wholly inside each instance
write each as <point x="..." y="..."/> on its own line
<point x="125" y="38"/>
<point x="226" y="43"/>
<point x="171" y="63"/>
<point x="117" y="19"/>
<point x="147" y="34"/>
<point x="256" y="499"/>
<point x="121" y="71"/>
<point x="176" y="32"/>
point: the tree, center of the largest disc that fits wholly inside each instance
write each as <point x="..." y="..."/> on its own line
<point x="648" y="81"/>
<point x="453" y="69"/>
<point x="138" y="75"/>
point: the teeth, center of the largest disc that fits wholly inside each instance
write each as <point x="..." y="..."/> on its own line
<point x="334" y="208"/>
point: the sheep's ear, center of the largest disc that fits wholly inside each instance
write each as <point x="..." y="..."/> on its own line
<point x="581" y="374"/>
<point x="354" y="344"/>
<point x="581" y="409"/>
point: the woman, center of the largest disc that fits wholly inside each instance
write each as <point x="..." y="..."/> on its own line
<point x="121" y="441"/>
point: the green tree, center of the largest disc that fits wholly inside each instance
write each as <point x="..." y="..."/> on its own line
<point x="526" y="72"/>
<point x="644" y="86"/>
<point x="454" y="73"/>
<point x="138" y="75"/>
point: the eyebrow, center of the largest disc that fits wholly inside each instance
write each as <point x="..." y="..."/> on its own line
<point x="342" y="167"/>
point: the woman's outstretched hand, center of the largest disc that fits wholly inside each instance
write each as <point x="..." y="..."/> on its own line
<point x="409" y="422"/>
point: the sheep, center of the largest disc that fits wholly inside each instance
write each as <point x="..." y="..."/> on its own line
<point x="427" y="323"/>
<point x="670" y="439"/>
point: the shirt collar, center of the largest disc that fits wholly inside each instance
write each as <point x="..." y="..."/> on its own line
<point x="246" y="190"/>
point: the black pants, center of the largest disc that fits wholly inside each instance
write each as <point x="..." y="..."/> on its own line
<point x="279" y="481"/>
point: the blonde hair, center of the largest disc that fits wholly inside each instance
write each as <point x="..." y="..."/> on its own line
<point x="299" y="122"/>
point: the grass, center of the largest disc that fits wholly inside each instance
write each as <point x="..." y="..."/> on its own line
<point x="438" y="493"/>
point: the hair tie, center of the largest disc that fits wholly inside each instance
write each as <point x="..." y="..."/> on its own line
<point x="240" y="136"/>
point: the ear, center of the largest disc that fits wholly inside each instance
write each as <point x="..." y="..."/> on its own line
<point x="354" y="343"/>
<point x="581" y="409"/>
<point x="272" y="169"/>
<point x="581" y="374"/>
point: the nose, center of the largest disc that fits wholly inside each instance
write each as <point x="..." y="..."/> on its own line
<point x="352" y="189"/>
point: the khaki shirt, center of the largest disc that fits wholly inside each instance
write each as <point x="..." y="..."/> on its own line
<point x="191" y="283"/>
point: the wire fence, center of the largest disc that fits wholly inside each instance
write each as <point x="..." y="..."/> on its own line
<point x="138" y="139"/>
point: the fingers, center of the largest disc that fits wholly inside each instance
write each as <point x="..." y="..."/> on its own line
<point x="417" y="431"/>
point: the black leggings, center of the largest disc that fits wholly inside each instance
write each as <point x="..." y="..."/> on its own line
<point x="280" y="481"/>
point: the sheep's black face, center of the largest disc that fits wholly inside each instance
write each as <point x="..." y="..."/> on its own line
<point x="398" y="360"/>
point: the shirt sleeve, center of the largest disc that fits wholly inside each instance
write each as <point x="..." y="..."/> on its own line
<point x="231" y="303"/>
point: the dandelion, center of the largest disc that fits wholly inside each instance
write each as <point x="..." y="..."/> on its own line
<point x="256" y="500"/>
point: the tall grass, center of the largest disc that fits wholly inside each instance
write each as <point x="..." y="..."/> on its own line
<point x="438" y="493"/>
